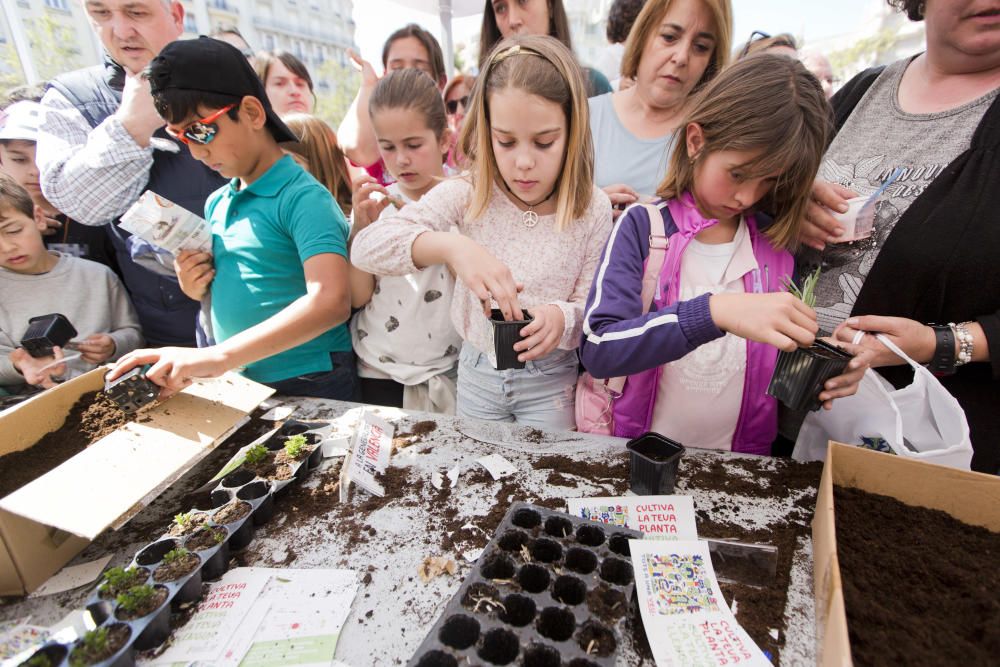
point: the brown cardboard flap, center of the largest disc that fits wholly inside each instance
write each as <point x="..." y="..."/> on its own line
<point x="115" y="476"/>
<point x="38" y="551"/>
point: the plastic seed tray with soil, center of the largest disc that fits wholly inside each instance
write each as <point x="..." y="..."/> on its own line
<point x="91" y="418"/>
<point x="176" y="564"/>
<point x="206" y="538"/>
<point x="117" y="580"/>
<point x="547" y="586"/>
<point x="101" y="644"/>
<point x="140" y="601"/>
<point x="920" y="586"/>
<point x="187" y="523"/>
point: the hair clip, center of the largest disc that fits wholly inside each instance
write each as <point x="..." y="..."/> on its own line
<point x="515" y="50"/>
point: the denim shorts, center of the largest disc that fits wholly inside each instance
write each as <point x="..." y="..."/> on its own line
<point x="340" y="383"/>
<point x="541" y="395"/>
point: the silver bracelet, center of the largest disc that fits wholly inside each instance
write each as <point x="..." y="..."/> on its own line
<point x="965" y="344"/>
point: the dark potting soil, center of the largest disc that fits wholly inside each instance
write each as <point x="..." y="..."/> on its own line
<point x="137" y="577"/>
<point x="152" y="603"/>
<point x="920" y="587"/>
<point x="270" y="469"/>
<point x="118" y="634"/>
<point x="616" y="470"/>
<point x="232" y="511"/>
<point x="282" y="457"/>
<point x="91" y="418"/>
<point x="607" y="604"/>
<point x="206" y="539"/>
<point x="176" y="568"/>
<point x="194" y="522"/>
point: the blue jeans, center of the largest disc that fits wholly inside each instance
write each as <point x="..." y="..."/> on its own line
<point x="541" y="395"/>
<point x="340" y="383"/>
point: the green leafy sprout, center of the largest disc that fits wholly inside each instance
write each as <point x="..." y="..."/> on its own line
<point x="94" y="642"/>
<point x="135" y="597"/>
<point x="183" y="520"/>
<point x="39" y="660"/>
<point x="118" y="578"/>
<point x="219" y="536"/>
<point x="295" y="445"/>
<point x="256" y="454"/>
<point x="175" y="555"/>
<point x="807" y="292"/>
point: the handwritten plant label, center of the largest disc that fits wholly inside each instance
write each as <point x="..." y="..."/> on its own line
<point x="657" y="517"/>
<point x="685" y="616"/>
<point x="370" y="452"/>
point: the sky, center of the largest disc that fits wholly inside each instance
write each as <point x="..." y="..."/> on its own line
<point x="809" y="19"/>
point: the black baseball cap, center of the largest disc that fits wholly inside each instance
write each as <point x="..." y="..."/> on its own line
<point x="212" y="66"/>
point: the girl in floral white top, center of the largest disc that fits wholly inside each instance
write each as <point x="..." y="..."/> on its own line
<point x="532" y="225"/>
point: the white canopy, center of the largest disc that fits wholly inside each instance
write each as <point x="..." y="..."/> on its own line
<point x="446" y="10"/>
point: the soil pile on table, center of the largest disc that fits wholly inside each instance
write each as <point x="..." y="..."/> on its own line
<point x="920" y="586"/>
<point x="91" y="418"/>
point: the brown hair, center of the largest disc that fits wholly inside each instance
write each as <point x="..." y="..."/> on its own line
<point x="648" y="23"/>
<point x="914" y="8"/>
<point x="317" y="145"/>
<point x="428" y="41"/>
<point x="469" y="82"/>
<point x="410" y="89"/>
<point x="489" y="33"/>
<point x="752" y="45"/>
<point x="14" y="196"/>
<point x="621" y="16"/>
<point x="540" y="66"/>
<point x="263" y="61"/>
<point x="765" y="102"/>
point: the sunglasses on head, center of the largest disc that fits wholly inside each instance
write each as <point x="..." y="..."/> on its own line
<point x="755" y="36"/>
<point x="452" y="105"/>
<point x="201" y="131"/>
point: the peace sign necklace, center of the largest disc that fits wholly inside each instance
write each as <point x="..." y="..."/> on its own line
<point x="529" y="218"/>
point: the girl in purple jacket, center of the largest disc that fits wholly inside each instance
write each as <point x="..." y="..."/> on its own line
<point x="698" y="363"/>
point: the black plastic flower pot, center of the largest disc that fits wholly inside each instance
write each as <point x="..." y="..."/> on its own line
<point x="157" y="628"/>
<point x="799" y="376"/>
<point x="653" y="459"/>
<point x="261" y="491"/>
<point x="217" y="564"/>
<point x="505" y="334"/>
<point x="214" y="555"/>
<point x="123" y="657"/>
<point x="315" y="457"/>
<point x="54" y="653"/>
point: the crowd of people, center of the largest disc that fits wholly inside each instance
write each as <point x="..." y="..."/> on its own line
<point x="643" y="224"/>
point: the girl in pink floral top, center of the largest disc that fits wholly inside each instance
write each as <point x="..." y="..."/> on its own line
<point x="532" y="225"/>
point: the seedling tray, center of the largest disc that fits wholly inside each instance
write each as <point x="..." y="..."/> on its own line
<point x="547" y="588"/>
<point x="254" y="494"/>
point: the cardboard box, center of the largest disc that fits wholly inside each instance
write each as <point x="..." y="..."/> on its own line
<point x="971" y="497"/>
<point x="44" y="524"/>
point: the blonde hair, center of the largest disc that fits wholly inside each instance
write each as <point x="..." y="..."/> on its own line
<point x="542" y="66"/>
<point x="318" y="146"/>
<point x="647" y="24"/>
<point x="768" y="103"/>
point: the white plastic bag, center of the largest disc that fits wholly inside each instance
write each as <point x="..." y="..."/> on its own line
<point x="922" y="421"/>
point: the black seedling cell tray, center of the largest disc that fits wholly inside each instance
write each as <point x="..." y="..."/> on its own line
<point x="254" y="498"/>
<point x="549" y="589"/>
<point x="132" y="391"/>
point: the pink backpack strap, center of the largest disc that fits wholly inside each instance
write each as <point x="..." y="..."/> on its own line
<point x="658" y="245"/>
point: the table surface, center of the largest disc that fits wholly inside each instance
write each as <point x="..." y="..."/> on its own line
<point x="387" y="542"/>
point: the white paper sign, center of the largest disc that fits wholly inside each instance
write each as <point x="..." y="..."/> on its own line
<point x="686" y="618"/>
<point x="370" y="453"/>
<point x="497" y="466"/>
<point x="657" y="517"/>
<point x="159" y="221"/>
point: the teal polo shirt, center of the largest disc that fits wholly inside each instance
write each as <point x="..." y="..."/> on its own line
<point x="261" y="236"/>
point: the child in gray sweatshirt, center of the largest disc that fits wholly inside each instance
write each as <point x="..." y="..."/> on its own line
<point x="35" y="281"/>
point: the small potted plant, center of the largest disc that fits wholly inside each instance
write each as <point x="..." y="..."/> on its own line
<point x="139" y="601"/>
<point x="100" y="645"/>
<point x="799" y="375"/>
<point x="207" y="539"/>
<point x="505" y="334"/>
<point x="295" y="447"/>
<point x="49" y="655"/>
<point x="117" y="580"/>
<point x="187" y="522"/>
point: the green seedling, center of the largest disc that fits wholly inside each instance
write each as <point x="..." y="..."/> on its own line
<point x="93" y="643"/>
<point x="135" y="598"/>
<point x="175" y="555"/>
<point x="256" y="454"/>
<point x="118" y="579"/>
<point x="807" y="293"/>
<point x="295" y="445"/>
<point x="183" y="520"/>
<point x="219" y="536"/>
<point x="40" y="660"/>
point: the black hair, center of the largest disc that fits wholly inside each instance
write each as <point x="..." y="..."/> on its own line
<point x="176" y="105"/>
<point x="914" y="8"/>
<point x="14" y="196"/>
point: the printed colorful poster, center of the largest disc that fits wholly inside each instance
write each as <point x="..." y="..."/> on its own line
<point x="657" y="517"/>
<point x="686" y="618"/>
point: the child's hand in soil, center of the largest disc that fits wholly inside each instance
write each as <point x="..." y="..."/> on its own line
<point x="97" y="348"/>
<point x="541" y="335"/>
<point x="173" y="368"/>
<point x="194" y="272"/>
<point x="777" y="318"/>
<point x="366" y="209"/>
<point x="34" y="370"/>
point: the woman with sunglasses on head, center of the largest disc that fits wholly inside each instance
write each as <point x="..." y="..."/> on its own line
<point x="507" y="18"/>
<point x="456" y="104"/>
<point x="932" y="121"/>
<point x="760" y="42"/>
<point x="674" y="48"/>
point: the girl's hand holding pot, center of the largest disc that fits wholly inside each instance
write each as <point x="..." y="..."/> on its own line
<point x="486" y="276"/>
<point x="777" y="318"/>
<point x="542" y="334"/>
<point x="847" y="383"/>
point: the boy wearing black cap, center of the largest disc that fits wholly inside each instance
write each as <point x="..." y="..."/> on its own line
<point x="278" y="273"/>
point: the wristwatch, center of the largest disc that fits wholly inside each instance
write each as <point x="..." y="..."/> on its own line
<point x="943" y="361"/>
